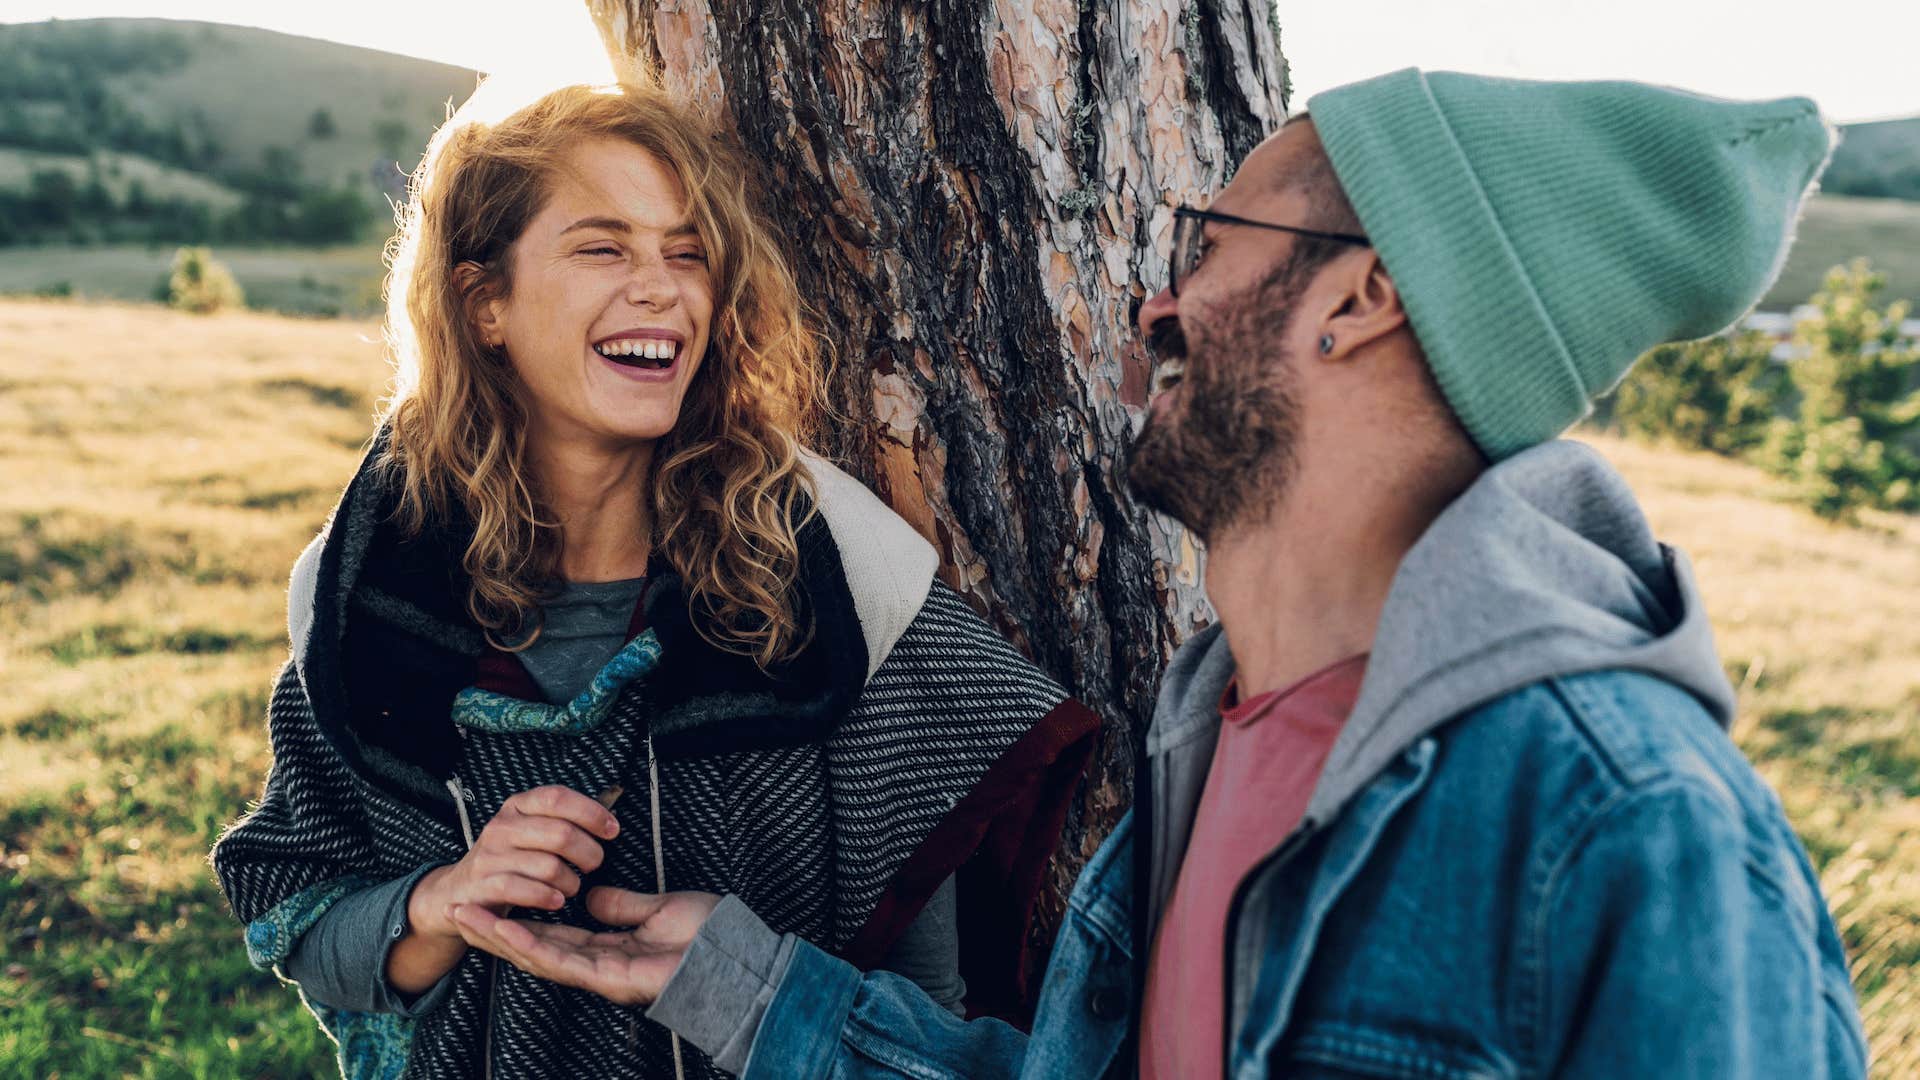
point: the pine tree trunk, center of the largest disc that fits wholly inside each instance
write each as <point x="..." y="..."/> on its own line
<point x="977" y="196"/>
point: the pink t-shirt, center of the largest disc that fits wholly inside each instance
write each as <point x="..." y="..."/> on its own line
<point x="1269" y="757"/>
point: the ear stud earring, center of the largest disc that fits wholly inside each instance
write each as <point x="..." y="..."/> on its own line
<point x="1326" y="344"/>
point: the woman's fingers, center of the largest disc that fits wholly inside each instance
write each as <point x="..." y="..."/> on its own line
<point x="527" y="832"/>
<point x="569" y="841"/>
<point x="540" y="866"/>
<point x="566" y="804"/>
<point x="624" y="907"/>
<point x="514" y="890"/>
<point x="661" y="920"/>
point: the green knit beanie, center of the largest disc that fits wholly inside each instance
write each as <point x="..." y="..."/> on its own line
<point x="1545" y="234"/>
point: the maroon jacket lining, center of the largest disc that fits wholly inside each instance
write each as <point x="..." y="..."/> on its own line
<point x="997" y="840"/>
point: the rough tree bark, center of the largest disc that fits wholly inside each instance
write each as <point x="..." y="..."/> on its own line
<point x="977" y="195"/>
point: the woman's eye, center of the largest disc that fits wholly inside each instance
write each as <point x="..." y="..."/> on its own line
<point x="689" y="256"/>
<point x="603" y="250"/>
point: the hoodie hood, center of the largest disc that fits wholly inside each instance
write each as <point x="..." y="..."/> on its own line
<point x="1544" y="567"/>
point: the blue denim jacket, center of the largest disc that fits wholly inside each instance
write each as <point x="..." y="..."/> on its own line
<point x="1636" y="905"/>
<point x="1533" y="851"/>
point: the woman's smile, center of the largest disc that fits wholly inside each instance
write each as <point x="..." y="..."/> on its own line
<point x="642" y="355"/>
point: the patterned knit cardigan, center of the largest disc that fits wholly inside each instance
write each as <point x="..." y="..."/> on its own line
<point x="907" y="743"/>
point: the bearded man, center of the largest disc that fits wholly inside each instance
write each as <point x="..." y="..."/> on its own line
<point x="1447" y="789"/>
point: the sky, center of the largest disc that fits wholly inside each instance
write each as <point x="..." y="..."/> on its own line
<point x="1855" y="57"/>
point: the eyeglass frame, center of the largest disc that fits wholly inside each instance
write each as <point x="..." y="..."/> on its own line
<point x="1184" y="213"/>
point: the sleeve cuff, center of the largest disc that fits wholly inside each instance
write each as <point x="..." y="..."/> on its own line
<point x="341" y="961"/>
<point x="724" y="984"/>
<point x="387" y="998"/>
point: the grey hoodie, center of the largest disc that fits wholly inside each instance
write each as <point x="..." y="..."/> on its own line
<point x="1544" y="567"/>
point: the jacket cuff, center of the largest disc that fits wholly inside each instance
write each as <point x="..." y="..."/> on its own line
<point x="724" y="984"/>
<point x="804" y="1027"/>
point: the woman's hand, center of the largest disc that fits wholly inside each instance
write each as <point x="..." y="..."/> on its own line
<point x="628" y="967"/>
<point x="520" y="859"/>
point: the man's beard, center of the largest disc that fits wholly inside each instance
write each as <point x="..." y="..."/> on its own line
<point x="1224" y="453"/>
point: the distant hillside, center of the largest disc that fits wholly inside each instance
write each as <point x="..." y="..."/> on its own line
<point x="232" y="93"/>
<point x="1838" y="229"/>
<point x="1880" y="160"/>
<point x="272" y="118"/>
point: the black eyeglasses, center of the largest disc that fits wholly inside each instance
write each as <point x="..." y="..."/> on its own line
<point x="1189" y="229"/>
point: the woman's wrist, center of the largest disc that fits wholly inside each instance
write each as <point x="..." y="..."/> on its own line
<point x="427" y="907"/>
<point x="432" y="945"/>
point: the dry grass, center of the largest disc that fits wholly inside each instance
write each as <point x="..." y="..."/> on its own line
<point x="159" y="472"/>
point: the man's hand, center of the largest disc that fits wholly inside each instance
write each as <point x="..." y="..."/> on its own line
<point x="628" y="967"/>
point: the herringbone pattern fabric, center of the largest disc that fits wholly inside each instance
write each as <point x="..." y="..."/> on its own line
<point x="809" y="835"/>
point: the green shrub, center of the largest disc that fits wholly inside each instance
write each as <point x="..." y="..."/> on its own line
<point x="1853" y="443"/>
<point x="1721" y="394"/>
<point x="200" y="283"/>
<point x="1840" y="421"/>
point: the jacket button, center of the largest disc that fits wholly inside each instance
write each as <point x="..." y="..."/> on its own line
<point x="1107" y="1003"/>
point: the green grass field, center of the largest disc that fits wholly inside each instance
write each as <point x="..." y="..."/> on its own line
<point x="295" y="281"/>
<point x="153" y="499"/>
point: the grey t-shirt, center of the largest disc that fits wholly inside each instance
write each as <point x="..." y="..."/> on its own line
<point x="580" y="631"/>
<point x="341" y="961"/>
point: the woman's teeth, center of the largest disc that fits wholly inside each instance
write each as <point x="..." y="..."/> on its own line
<point x="638" y="352"/>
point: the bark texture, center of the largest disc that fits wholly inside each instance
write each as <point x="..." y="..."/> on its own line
<point x="977" y="196"/>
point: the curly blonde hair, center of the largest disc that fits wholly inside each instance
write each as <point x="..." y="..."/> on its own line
<point x="727" y="480"/>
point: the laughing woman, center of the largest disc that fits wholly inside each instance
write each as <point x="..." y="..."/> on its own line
<point x="589" y="614"/>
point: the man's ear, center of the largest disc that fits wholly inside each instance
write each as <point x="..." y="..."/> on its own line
<point x="482" y="302"/>
<point x="1368" y="306"/>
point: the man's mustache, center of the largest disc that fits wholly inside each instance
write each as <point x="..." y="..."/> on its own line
<point x="1166" y="341"/>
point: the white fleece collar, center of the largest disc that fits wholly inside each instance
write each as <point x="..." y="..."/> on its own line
<point x="888" y="566"/>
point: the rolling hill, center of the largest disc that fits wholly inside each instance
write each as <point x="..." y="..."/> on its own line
<point x="1838" y="228"/>
<point x="228" y="101"/>
<point x="1878" y="160"/>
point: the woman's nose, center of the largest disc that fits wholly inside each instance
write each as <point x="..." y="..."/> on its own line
<point x="649" y="283"/>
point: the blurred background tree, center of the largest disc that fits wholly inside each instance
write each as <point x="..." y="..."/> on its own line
<point x="201" y="284"/>
<point x="1835" y="411"/>
<point x="1853" y="440"/>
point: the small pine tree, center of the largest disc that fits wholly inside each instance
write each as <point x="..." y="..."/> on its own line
<point x="200" y="283"/>
<point x="321" y="125"/>
<point x="1857" y="439"/>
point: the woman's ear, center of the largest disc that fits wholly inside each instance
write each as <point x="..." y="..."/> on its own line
<point x="482" y="304"/>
